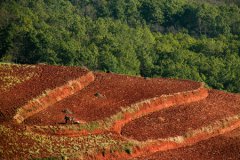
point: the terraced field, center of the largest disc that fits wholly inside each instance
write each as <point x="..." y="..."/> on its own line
<point x="221" y="147"/>
<point x="115" y="92"/>
<point x="179" y="119"/>
<point x="29" y="82"/>
<point x="118" y="116"/>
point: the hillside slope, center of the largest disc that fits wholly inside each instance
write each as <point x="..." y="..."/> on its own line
<point x="113" y="116"/>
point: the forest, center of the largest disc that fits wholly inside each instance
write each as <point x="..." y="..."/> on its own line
<point x="185" y="39"/>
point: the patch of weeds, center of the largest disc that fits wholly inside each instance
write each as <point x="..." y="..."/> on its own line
<point x="89" y="126"/>
<point x="4" y="130"/>
<point x="117" y="116"/>
<point x="75" y="147"/>
<point x="128" y="148"/>
<point x="47" y="91"/>
<point x="53" y="129"/>
<point x="90" y="152"/>
<point x="9" y="80"/>
<point x="131" y="109"/>
<point x="113" y="149"/>
<point x="50" y="149"/>
<point x="34" y="152"/>
<point x="177" y="139"/>
<point x="92" y="126"/>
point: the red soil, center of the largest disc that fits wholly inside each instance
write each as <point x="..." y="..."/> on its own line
<point x="178" y="120"/>
<point x="53" y="96"/>
<point x="50" y="78"/>
<point x="159" y="146"/>
<point x="222" y="147"/>
<point x="116" y="91"/>
<point x="11" y="75"/>
<point x="161" y="103"/>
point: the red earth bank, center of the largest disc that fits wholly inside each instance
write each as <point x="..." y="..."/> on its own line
<point x="222" y="147"/>
<point x="176" y="121"/>
<point x="160" y="104"/>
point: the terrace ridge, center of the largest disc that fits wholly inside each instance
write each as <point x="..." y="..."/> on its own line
<point x="50" y="97"/>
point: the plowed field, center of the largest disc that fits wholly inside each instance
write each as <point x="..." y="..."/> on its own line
<point x="115" y="91"/>
<point x="123" y="117"/>
<point x="177" y="120"/>
<point x="222" y="147"/>
<point x="23" y="90"/>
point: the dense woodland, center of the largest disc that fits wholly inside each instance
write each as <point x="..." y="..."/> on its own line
<point x="187" y="39"/>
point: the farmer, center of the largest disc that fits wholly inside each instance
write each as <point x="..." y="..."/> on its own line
<point x="67" y="118"/>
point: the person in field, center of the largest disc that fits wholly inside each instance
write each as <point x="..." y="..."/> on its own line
<point x="67" y="119"/>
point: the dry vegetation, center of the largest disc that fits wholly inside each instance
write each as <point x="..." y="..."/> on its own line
<point x="13" y="74"/>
